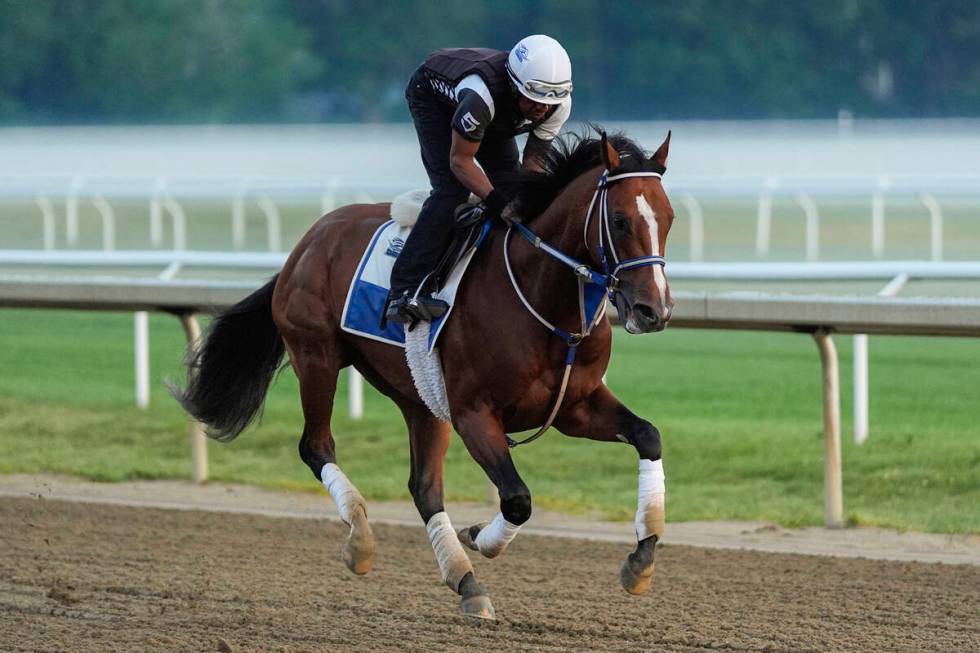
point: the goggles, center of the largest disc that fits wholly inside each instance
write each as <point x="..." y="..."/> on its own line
<point x="547" y="89"/>
<point x="540" y="89"/>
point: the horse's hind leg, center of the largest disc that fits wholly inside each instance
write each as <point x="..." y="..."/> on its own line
<point x="317" y="366"/>
<point x="430" y="439"/>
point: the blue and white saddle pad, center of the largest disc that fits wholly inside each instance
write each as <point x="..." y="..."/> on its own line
<point x="369" y="289"/>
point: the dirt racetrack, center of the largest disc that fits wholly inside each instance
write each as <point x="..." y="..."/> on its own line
<point x="86" y="577"/>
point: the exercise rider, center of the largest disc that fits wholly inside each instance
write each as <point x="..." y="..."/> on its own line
<point x="468" y="105"/>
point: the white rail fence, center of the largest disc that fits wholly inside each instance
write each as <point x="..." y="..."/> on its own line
<point x="166" y="194"/>
<point x="897" y="273"/>
<point x="819" y="316"/>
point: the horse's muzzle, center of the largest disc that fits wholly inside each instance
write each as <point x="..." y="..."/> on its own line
<point x="645" y="319"/>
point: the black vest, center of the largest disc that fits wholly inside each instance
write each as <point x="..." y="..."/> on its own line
<point x="445" y="68"/>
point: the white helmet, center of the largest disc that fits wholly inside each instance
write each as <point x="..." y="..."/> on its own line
<point x="540" y="69"/>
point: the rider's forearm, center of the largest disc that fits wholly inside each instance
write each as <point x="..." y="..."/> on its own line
<point x="471" y="175"/>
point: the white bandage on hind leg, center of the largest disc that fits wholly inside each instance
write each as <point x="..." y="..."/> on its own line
<point x="343" y="492"/>
<point x="650" y="500"/>
<point x="493" y="539"/>
<point x="453" y="561"/>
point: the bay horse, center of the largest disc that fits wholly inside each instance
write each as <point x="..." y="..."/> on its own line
<point x="599" y="204"/>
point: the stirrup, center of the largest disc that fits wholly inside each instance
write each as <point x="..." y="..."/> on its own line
<point x="400" y="311"/>
<point x="427" y="308"/>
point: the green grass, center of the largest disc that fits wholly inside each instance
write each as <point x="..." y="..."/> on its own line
<point x="740" y="415"/>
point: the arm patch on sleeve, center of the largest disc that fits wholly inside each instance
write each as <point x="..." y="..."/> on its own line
<point x="472" y="116"/>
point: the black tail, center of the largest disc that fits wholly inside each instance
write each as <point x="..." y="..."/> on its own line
<point x="229" y="374"/>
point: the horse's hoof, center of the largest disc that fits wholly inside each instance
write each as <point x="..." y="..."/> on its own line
<point x="358" y="550"/>
<point x="467" y="536"/>
<point x="634" y="582"/>
<point x="478" y="607"/>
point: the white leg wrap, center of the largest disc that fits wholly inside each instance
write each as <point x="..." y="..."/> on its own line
<point x="650" y="500"/>
<point x="452" y="559"/>
<point x="493" y="539"/>
<point x="343" y="492"/>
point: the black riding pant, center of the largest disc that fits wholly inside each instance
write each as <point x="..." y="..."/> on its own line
<point x="433" y="232"/>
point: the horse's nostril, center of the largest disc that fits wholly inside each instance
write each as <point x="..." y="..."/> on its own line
<point x="644" y="311"/>
<point x="646" y="317"/>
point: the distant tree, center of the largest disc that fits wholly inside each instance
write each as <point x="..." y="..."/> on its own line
<point x="27" y="34"/>
<point x="174" y="60"/>
<point x="268" y="60"/>
<point x="368" y="49"/>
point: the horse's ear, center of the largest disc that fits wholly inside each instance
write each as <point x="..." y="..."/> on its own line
<point x="660" y="156"/>
<point x="610" y="157"/>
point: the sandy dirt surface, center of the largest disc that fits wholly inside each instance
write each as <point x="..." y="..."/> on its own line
<point x="96" y="577"/>
<point x="863" y="542"/>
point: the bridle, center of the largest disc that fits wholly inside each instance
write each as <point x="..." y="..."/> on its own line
<point x="593" y="287"/>
<point x="605" y="234"/>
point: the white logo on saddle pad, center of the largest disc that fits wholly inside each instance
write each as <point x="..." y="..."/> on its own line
<point x="469" y="122"/>
<point x="395" y="248"/>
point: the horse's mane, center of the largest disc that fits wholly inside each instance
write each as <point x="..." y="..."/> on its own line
<point x="569" y="156"/>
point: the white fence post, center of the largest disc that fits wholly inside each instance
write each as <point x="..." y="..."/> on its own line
<point x="812" y="226"/>
<point x="935" y="226"/>
<point x="179" y="220"/>
<point x="860" y="344"/>
<point x="71" y="210"/>
<point x="878" y="218"/>
<point x="199" y="442"/>
<point x="355" y="394"/>
<point x="141" y="347"/>
<point x="47" y="221"/>
<point x="763" y="225"/>
<point x="697" y="227"/>
<point x="108" y="222"/>
<point x="273" y="223"/>
<point x="833" y="478"/>
<point x="238" y="218"/>
<point x="156" y="212"/>
<point x="861" y="400"/>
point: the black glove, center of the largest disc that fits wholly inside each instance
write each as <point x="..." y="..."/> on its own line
<point x="494" y="204"/>
<point x="468" y="214"/>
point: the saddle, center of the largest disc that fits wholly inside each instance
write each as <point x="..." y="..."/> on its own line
<point x="467" y="227"/>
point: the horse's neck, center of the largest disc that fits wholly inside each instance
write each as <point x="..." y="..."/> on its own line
<point x="550" y="286"/>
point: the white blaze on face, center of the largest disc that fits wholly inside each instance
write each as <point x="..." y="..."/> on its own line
<point x="658" y="270"/>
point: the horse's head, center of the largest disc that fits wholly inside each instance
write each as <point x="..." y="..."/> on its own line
<point x="632" y="236"/>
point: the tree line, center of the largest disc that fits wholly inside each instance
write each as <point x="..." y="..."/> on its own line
<point x="153" y="61"/>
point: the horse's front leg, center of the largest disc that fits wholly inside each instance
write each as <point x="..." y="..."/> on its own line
<point x="429" y="438"/>
<point x="484" y="437"/>
<point x="602" y="417"/>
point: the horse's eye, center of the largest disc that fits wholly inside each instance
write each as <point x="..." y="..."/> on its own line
<point x="619" y="221"/>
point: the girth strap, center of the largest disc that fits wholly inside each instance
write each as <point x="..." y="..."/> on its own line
<point x="569" y="361"/>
